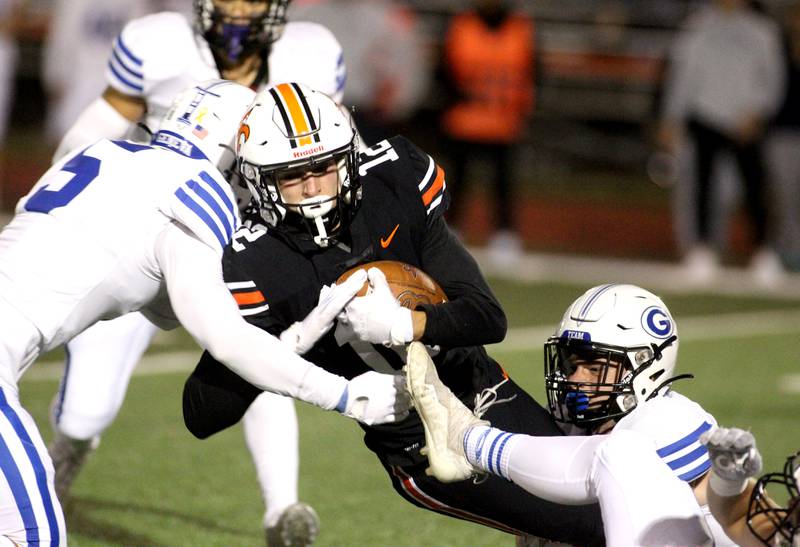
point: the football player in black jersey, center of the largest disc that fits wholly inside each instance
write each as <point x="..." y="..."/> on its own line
<point x="329" y="208"/>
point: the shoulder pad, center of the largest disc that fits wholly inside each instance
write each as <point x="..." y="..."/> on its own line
<point x="147" y="44"/>
<point x="675" y="424"/>
<point x="205" y="206"/>
<point x="414" y="166"/>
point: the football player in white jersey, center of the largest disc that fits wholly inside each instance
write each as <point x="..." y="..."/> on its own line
<point x="67" y="260"/>
<point x="609" y="367"/>
<point x="743" y="506"/>
<point x="154" y="57"/>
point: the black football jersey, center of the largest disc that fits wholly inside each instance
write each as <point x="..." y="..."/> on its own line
<point x="276" y="277"/>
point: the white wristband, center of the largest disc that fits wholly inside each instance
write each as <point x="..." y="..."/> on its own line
<point x="726" y="488"/>
<point x="402" y="331"/>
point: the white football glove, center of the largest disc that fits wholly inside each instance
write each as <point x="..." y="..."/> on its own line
<point x="374" y="398"/>
<point x="302" y="335"/>
<point x="734" y="458"/>
<point x="378" y="318"/>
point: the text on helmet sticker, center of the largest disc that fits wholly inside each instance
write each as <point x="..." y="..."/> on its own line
<point x="576" y="335"/>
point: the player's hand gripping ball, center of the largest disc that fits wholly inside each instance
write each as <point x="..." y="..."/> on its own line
<point x="411" y="286"/>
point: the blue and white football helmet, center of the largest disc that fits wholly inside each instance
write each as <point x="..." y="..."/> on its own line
<point x="628" y="335"/>
<point x="203" y="121"/>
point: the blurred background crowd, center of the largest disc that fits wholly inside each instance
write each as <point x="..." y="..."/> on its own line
<point x="665" y="129"/>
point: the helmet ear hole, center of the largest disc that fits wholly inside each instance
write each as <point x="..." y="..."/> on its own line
<point x="657" y="375"/>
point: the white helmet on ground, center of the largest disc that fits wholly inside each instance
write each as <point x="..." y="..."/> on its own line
<point x="623" y="329"/>
<point x="203" y="121"/>
<point x="292" y="128"/>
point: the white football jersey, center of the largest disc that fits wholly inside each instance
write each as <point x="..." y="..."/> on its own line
<point x="157" y="56"/>
<point x="82" y="244"/>
<point x="675" y="423"/>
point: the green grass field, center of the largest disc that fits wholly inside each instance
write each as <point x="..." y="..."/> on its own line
<point x="152" y="483"/>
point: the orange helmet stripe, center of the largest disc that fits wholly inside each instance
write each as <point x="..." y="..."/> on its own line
<point x="297" y="114"/>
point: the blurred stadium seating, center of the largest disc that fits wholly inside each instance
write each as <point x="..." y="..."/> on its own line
<point x="599" y="76"/>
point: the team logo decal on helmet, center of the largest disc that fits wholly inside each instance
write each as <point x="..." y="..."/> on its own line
<point x="657" y="322"/>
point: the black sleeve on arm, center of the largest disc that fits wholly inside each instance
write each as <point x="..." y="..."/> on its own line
<point x="473" y="316"/>
<point x="214" y="397"/>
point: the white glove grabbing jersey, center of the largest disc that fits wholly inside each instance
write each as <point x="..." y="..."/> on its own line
<point x="302" y="335"/>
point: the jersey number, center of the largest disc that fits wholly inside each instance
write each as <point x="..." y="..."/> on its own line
<point x="379" y="153"/>
<point x="85" y="169"/>
<point x="243" y="235"/>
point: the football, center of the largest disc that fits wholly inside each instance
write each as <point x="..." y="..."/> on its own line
<point x="411" y="286"/>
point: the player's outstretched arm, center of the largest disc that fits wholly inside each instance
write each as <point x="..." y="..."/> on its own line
<point x="202" y="303"/>
<point x="110" y="116"/>
<point x="734" y="460"/>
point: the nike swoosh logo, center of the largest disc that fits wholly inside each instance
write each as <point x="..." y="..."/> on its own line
<point x="385" y="242"/>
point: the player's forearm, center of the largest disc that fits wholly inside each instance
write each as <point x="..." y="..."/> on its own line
<point x="104" y="118"/>
<point x="204" y="306"/>
<point x="473" y="316"/>
<point x="731" y="512"/>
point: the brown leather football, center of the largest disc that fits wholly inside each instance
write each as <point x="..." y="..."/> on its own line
<point x="410" y="285"/>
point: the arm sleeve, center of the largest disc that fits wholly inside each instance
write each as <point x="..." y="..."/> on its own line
<point x="193" y="274"/>
<point x="98" y="121"/>
<point x="473" y="316"/>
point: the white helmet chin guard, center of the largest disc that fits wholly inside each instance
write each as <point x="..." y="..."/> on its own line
<point x="629" y="337"/>
<point x="292" y="129"/>
<point x="203" y="122"/>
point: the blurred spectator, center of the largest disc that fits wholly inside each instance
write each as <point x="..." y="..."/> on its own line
<point x="725" y="83"/>
<point x="388" y="69"/>
<point x="488" y="64"/>
<point x="76" y="52"/>
<point x="783" y="144"/>
<point x="8" y="63"/>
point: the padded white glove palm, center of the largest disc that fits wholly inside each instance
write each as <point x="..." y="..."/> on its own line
<point x="734" y="458"/>
<point x="378" y="318"/>
<point x="302" y="335"/>
<point x="374" y="398"/>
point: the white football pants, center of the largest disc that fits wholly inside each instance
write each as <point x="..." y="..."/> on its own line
<point x="641" y="500"/>
<point x="100" y="362"/>
<point x="29" y="510"/>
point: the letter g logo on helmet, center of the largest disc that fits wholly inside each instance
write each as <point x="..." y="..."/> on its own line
<point x="656" y="322"/>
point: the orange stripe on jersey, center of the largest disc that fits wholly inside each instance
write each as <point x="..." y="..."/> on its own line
<point x="247" y="298"/>
<point x="435" y="188"/>
<point x="296" y="112"/>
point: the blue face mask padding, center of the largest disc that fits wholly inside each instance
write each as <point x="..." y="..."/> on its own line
<point x="576" y="401"/>
<point x="234" y="37"/>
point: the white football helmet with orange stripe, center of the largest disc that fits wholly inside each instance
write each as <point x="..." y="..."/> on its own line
<point x="290" y="129"/>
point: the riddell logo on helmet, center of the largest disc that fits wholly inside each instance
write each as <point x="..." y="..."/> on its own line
<point x="302" y="153"/>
